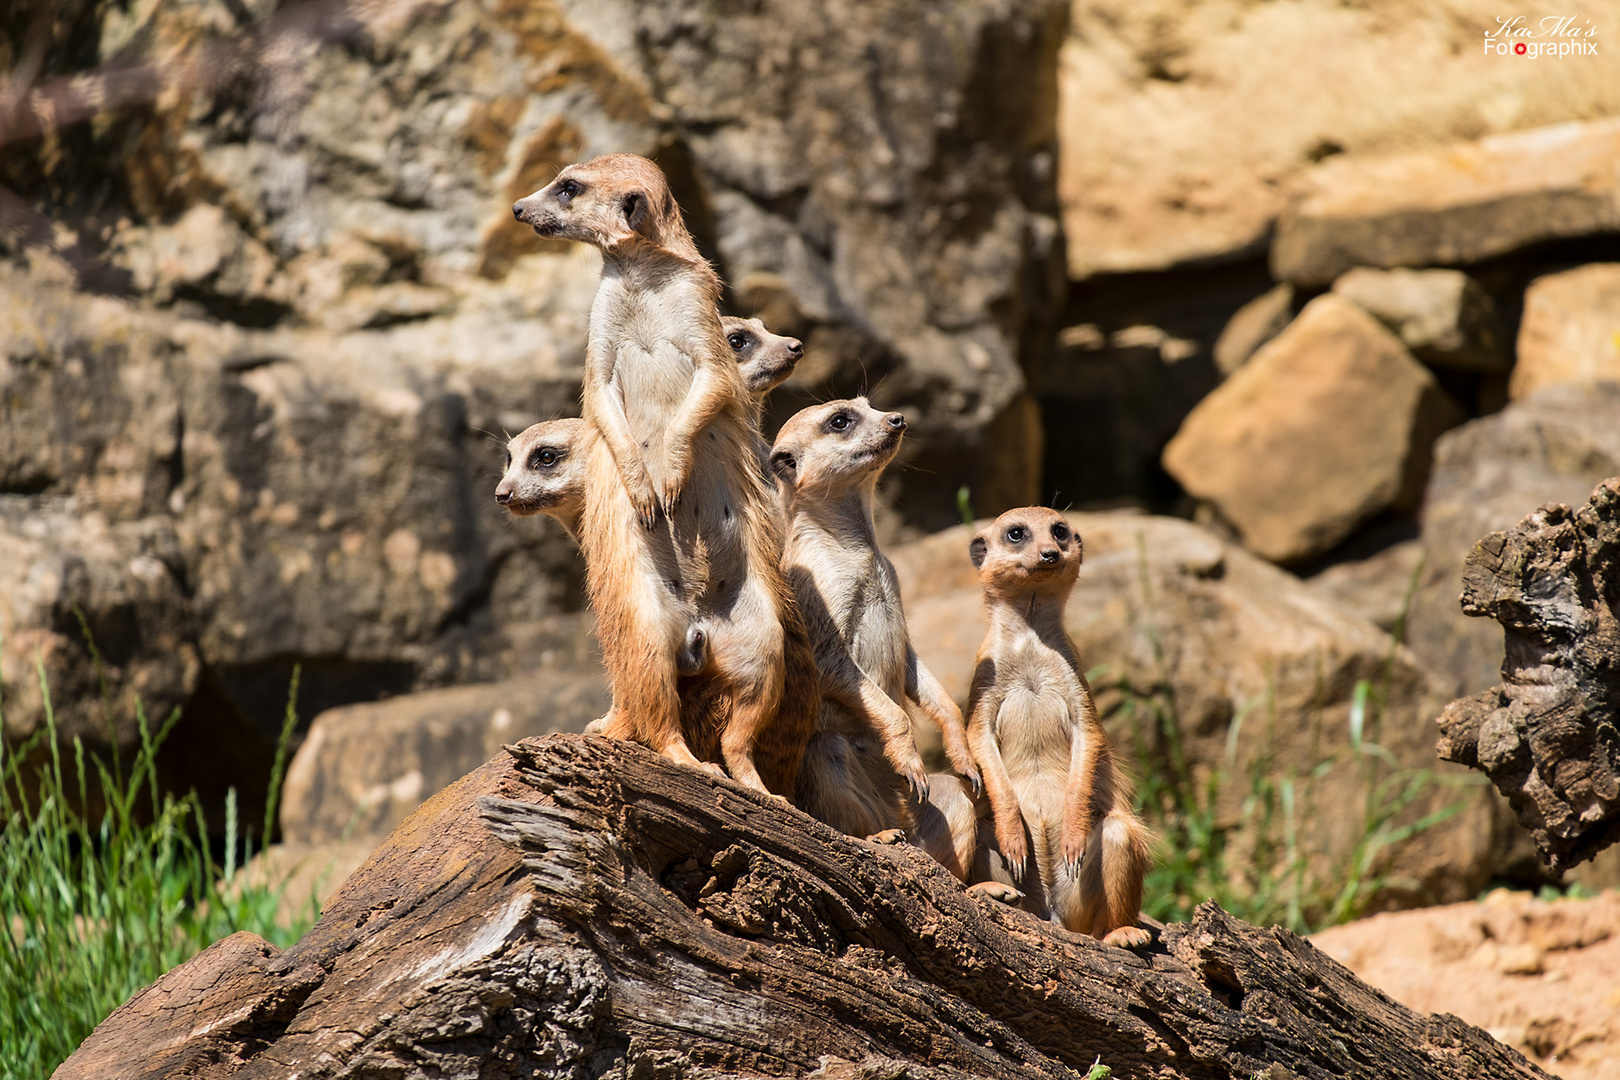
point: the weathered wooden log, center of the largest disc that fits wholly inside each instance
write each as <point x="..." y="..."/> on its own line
<point x="1549" y="735"/>
<point x="631" y="918"/>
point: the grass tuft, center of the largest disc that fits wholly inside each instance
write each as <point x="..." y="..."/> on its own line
<point x="95" y="908"/>
<point x="1276" y="878"/>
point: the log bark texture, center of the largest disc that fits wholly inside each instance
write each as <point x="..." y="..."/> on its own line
<point x="1549" y="735"/>
<point x="583" y="908"/>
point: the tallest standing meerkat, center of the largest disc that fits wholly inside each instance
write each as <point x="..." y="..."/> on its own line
<point x="677" y="527"/>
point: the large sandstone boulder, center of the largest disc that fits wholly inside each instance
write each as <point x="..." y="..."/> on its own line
<point x="1187" y="124"/>
<point x="1553" y="446"/>
<point x="1570" y="331"/>
<point x="1251" y="664"/>
<point x="1328" y="425"/>
<point x="1460" y="204"/>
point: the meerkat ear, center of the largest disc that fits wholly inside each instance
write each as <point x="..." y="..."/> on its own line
<point x="977" y="550"/>
<point x="785" y="466"/>
<point x="635" y="210"/>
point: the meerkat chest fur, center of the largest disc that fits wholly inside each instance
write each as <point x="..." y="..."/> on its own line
<point x="863" y="595"/>
<point x="649" y="326"/>
<point x="1034" y="725"/>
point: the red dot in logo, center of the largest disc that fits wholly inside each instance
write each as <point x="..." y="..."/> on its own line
<point x="1519" y="48"/>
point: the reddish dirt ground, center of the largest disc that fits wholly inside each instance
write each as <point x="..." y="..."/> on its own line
<point x="1542" y="976"/>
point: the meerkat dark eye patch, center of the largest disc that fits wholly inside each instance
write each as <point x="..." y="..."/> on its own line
<point x="977" y="549"/>
<point x="567" y="189"/>
<point x="839" y="421"/>
<point x="1017" y="534"/>
<point x="740" y="341"/>
<point x="1060" y="531"/>
<point x="508" y="463"/>
<point x="544" y="457"/>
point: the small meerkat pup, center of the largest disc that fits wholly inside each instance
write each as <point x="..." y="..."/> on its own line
<point x="863" y="755"/>
<point x="1049" y="772"/>
<point x="678" y="529"/>
<point x="545" y="474"/>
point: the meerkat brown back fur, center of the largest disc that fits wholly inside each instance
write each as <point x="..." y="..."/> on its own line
<point x="677" y="527"/>
<point x="1054" y="787"/>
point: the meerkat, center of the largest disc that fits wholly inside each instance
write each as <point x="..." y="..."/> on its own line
<point x="677" y="528"/>
<point x="1050" y="775"/>
<point x="863" y="754"/>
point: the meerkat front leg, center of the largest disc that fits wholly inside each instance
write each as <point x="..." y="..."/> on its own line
<point x="707" y="396"/>
<point x="603" y="403"/>
<point x="1079" y="794"/>
<point x="842" y="681"/>
<point x="930" y="696"/>
<point x="1008" y="816"/>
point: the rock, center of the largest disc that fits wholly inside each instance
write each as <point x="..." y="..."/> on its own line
<point x="1377" y="588"/>
<point x="1553" y="446"/>
<point x="1254" y="324"/>
<point x="60" y="563"/>
<point x="364" y="768"/>
<point x="1448" y="960"/>
<point x="1243" y="651"/>
<point x="1570" y="331"/>
<point x="1186" y="127"/>
<point x="1547" y="735"/>
<point x="533" y="918"/>
<point x="1460" y="204"/>
<point x="1327" y="426"/>
<point x="1443" y="316"/>
<point x="850" y="177"/>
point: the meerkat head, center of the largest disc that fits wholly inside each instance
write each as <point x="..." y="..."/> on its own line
<point x="832" y="447"/>
<point x="608" y="201"/>
<point x="1028" y="550"/>
<point x="545" y="472"/>
<point x="765" y="359"/>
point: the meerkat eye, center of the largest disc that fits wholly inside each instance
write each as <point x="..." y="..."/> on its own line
<point x="840" y="421"/>
<point x="738" y="342"/>
<point x="567" y="189"/>
<point x="1060" y="531"/>
<point x="543" y="458"/>
<point x="508" y="464"/>
<point x="1017" y="534"/>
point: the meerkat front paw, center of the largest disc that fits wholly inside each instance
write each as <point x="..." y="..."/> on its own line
<point x="995" y="890"/>
<point x="1013" y="847"/>
<point x="913" y="772"/>
<point x="887" y="836"/>
<point x="676" y="474"/>
<point x="1074" y="850"/>
<point x="642" y="498"/>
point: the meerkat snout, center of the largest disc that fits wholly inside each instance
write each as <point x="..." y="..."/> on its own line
<point x="895" y="420"/>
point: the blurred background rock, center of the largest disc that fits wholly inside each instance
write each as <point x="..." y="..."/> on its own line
<point x="1319" y="280"/>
